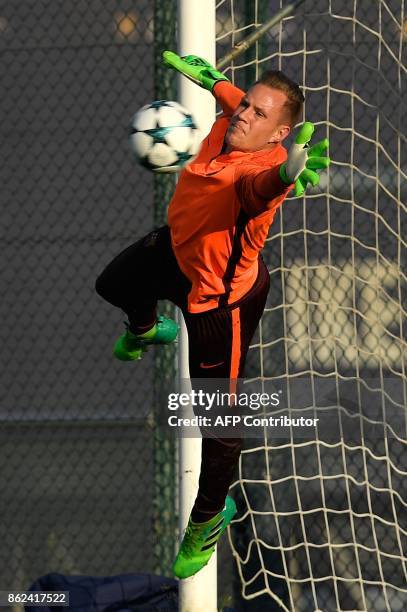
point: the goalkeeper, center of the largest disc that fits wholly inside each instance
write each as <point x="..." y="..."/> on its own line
<point x="207" y="260"/>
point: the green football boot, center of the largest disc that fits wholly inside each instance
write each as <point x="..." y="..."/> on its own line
<point x="130" y="347"/>
<point x="200" y="540"/>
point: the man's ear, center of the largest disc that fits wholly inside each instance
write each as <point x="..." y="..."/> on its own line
<point x="280" y="133"/>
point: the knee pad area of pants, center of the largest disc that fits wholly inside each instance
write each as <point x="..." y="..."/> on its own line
<point x="100" y="286"/>
<point x="108" y="289"/>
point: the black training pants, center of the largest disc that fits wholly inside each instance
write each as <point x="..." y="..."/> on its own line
<point x="218" y="339"/>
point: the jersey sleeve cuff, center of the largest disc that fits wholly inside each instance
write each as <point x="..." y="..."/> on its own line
<point x="227" y="95"/>
<point x="269" y="184"/>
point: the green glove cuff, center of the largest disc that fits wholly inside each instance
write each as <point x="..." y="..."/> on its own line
<point x="210" y="77"/>
<point x="195" y="68"/>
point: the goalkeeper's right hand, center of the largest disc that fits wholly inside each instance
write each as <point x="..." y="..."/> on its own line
<point x="194" y="68"/>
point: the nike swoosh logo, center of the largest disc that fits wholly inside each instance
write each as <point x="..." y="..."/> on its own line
<point x="211" y="365"/>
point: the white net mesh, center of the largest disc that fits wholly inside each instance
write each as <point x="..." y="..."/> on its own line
<point x="322" y="521"/>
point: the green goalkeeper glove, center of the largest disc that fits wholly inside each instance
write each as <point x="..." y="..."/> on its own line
<point x="302" y="160"/>
<point x="194" y="68"/>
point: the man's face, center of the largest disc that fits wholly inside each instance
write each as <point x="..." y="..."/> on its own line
<point x="259" y="121"/>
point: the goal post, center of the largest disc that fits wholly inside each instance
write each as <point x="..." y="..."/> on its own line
<point x="196" y="35"/>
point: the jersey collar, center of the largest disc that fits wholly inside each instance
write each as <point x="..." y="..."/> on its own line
<point x="237" y="157"/>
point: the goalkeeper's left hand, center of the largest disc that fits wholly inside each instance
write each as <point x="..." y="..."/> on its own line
<point x="194" y="68"/>
<point x="302" y="160"/>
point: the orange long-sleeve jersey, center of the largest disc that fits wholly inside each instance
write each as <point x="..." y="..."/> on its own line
<point x="218" y="222"/>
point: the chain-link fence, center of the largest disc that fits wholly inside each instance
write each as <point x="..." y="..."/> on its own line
<point x="86" y="486"/>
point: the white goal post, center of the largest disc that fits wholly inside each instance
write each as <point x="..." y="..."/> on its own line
<point x="196" y="35"/>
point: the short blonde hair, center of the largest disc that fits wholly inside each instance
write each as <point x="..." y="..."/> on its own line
<point x="275" y="79"/>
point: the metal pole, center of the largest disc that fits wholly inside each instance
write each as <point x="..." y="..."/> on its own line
<point x="165" y="465"/>
<point x="250" y="40"/>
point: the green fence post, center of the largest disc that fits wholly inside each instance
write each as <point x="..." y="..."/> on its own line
<point x="165" y="468"/>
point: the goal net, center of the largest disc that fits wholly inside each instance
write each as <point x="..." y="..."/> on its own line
<point x="322" y="518"/>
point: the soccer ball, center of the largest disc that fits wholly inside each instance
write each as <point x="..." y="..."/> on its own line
<point x="163" y="136"/>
